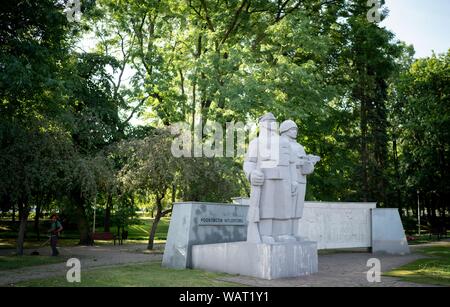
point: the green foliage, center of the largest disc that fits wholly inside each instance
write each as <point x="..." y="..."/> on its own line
<point x="145" y="175"/>
<point x="378" y="120"/>
<point x="213" y="180"/>
<point x="422" y="114"/>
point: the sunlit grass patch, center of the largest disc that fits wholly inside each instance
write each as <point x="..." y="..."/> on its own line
<point x="137" y="275"/>
<point x="433" y="270"/>
<point x="16" y="262"/>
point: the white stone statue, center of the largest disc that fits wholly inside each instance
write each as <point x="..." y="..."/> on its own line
<point x="276" y="168"/>
<point x="300" y="165"/>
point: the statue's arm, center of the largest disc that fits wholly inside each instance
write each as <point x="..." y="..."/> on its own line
<point x="254" y="175"/>
<point x="251" y="159"/>
<point x="306" y="166"/>
<point x="249" y="167"/>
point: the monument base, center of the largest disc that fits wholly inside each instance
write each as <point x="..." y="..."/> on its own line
<point x="266" y="261"/>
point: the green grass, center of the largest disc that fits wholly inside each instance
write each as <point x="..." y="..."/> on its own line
<point x="141" y="231"/>
<point x="424" y="238"/>
<point x="17" y="262"/>
<point x="434" y="270"/>
<point x="138" y="233"/>
<point x="10" y="243"/>
<point x="136" y="275"/>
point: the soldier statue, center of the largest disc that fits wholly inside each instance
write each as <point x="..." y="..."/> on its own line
<point x="301" y="165"/>
<point x="276" y="168"/>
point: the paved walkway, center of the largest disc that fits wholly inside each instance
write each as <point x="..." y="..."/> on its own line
<point x="345" y="269"/>
<point x="339" y="270"/>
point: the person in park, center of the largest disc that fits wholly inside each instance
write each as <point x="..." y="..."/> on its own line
<point x="54" y="231"/>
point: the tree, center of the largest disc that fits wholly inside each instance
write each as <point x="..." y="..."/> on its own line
<point x="422" y="112"/>
<point x="150" y="170"/>
<point x="48" y="93"/>
<point x="33" y="40"/>
<point x="33" y="164"/>
<point x="370" y="60"/>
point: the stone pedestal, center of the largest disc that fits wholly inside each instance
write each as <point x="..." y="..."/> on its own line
<point x="202" y="223"/>
<point x="266" y="261"/>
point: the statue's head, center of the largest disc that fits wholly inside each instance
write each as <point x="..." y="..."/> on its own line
<point x="268" y="121"/>
<point x="289" y="128"/>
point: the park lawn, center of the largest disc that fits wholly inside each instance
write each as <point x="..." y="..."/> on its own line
<point x="434" y="270"/>
<point x="10" y="243"/>
<point x="425" y="238"/>
<point x="141" y="231"/>
<point x="17" y="262"/>
<point x="136" y="275"/>
<point x="137" y="233"/>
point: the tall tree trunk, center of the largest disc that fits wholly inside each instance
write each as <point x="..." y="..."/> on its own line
<point x="13" y="218"/>
<point x="197" y="55"/>
<point x="159" y="214"/>
<point x="23" y="217"/>
<point x="174" y="192"/>
<point x="364" y="152"/>
<point x="107" y="222"/>
<point x="397" y="177"/>
<point x="83" y="226"/>
<point x="380" y="142"/>
<point x="36" y="219"/>
<point x="156" y="220"/>
<point x="429" y="210"/>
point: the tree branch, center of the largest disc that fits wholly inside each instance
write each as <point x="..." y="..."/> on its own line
<point x="193" y="8"/>
<point x="165" y="212"/>
<point x="126" y="56"/>
<point x="234" y="22"/>
<point x="141" y="102"/>
<point x="208" y="20"/>
<point x="281" y="9"/>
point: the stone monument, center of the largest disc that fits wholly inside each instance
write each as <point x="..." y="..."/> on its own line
<point x="195" y="223"/>
<point x="276" y="167"/>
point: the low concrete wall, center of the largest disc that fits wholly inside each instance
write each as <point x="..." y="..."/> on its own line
<point x="388" y="235"/>
<point x="337" y="225"/>
<point x="334" y="224"/>
<point x="330" y="224"/>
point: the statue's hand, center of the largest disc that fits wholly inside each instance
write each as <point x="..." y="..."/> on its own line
<point x="257" y="178"/>
<point x="307" y="168"/>
<point x="294" y="189"/>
